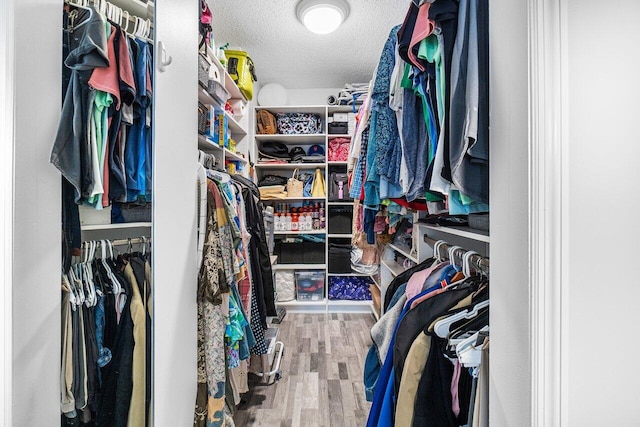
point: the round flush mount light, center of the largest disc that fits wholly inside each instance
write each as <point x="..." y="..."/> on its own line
<point x="322" y="16"/>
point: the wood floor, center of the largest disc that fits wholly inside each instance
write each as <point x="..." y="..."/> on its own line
<point x="321" y="382"/>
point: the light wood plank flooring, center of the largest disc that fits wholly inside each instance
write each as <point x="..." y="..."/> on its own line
<point x="321" y="382"/>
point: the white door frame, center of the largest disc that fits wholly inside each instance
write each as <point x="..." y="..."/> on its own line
<point x="6" y="195"/>
<point x="548" y="229"/>
<point x="547" y="188"/>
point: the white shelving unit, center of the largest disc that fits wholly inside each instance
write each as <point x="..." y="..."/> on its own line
<point x="285" y="169"/>
<point x="237" y="124"/>
<point x="92" y="227"/>
<point x="290" y="166"/>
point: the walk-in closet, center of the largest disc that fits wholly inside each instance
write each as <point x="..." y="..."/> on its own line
<point x="318" y="213"/>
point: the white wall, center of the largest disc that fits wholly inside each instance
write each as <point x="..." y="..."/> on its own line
<point x="36" y="240"/>
<point x="510" y="329"/>
<point x="316" y="96"/>
<point x="602" y="291"/>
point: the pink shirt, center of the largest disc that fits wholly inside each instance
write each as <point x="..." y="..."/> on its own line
<point x="416" y="281"/>
<point x="106" y="78"/>
<point x="423" y="28"/>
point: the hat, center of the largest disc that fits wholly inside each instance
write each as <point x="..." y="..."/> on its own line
<point x="297" y="153"/>
<point x="316" y="150"/>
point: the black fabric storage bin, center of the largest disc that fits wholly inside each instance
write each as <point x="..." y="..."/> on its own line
<point x="312" y="253"/>
<point x="289" y="253"/>
<point x="339" y="258"/>
<point x="338" y="128"/>
<point x="339" y="219"/>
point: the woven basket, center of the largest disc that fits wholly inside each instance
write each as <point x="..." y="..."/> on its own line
<point x="294" y="185"/>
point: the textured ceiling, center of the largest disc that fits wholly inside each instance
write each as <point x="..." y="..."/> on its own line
<point x="285" y="52"/>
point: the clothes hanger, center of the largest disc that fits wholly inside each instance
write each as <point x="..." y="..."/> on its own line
<point x="82" y="4"/>
<point x="219" y="176"/>
<point x="469" y="351"/>
<point x="442" y="326"/>
<point x="466" y="262"/>
<point x="452" y="255"/>
<point x="436" y="250"/>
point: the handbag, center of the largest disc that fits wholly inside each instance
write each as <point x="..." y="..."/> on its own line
<point x="294" y="185"/>
<point x="272" y="180"/>
<point x="339" y="187"/>
<point x="318" y="188"/>
<point x="266" y="122"/>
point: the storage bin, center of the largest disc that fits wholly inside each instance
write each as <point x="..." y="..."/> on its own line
<point x="338" y="128"/>
<point x="310" y="285"/>
<point x="339" y="219"/>
<point x="349" y="288"/>
<point x="313" y="253"/>
<point x="285" y="285"/>
<point x="298" y="123"/>
<point x="289" y="252"/>
<point x="339" y="258"/>
<point x="203" y="118"/>
<point x="203" y="71"/>
<point x="218" y="92"/>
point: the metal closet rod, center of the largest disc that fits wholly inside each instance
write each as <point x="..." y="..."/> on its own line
<point x="122" y="242"/>
<point x="479" y="261"/>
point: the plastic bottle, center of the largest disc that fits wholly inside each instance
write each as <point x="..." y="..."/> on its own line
<point x="276" y="222"/>
<point x="287" y="222"/>
<point x="309" y="221"/>
<point x="294" y="222"/>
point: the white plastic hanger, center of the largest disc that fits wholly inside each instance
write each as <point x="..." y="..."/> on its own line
<point x="452" y="255"/>
<point x="436" y="250"/>
<point x="466" y="262"/>
<point x="82" y="4"/>
<point x="469" y="354"/>
<point x="443" y="326"/>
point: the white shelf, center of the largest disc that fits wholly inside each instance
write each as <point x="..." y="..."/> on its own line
<point x="340" y="236"/>
<point x="299" y="266"/>
<point x="348" y="302"/>
<point x="392" y="266"/>
<point x="315" y="109"/>
<point x="115" y="226"/>
<point x="235" y="128"/>
<point x="405" y="251"/>
<point x="206" y="99"/>
<point x="467" y="232"/>
<point x="204" y="143"/>
<point x="338" y="135"/>
<point x="302" y="198"/>
<point x="336" y="162"/>
<point x="374" y="312"/>
<point x="284" y="233"/>
<point x="340" y="203"/>
<point x="319" y="303"/>
<point x="343" y="108"/>
<point x="229" y="155"/>
<point x="303" y="139"/>
<point x="290" y="165"/>
<point x="376" y="281"/>
<point x="348" y="274"/>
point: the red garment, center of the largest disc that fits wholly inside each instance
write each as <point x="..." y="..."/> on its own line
<point x="106" y="78"/>
<point x="424" y="27"/>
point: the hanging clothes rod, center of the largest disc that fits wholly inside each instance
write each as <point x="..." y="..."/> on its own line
<point x="480" y="262"/>
<point x="123" y="242"/>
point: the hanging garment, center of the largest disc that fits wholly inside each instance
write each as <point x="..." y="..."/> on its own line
<point x="71" y="150"/>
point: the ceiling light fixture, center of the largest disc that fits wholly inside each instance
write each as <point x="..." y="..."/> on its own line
<point x="322" y="16"/>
